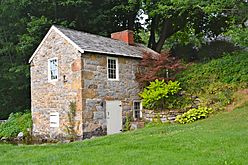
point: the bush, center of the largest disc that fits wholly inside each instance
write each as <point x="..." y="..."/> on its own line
<point x="231" y="69"/>
<point x="217" y="95"/>
<point x="193" y="115"/>
<point x="159" y="95"/>
<point x="214" y="83"/>
<point x="161" y="67"/>
<point x="17" y="122"/>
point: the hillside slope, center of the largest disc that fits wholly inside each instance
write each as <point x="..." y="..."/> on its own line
<point x="220" y="139"/>
<point x="213" y="83"/>
<point x="231" y="68"/>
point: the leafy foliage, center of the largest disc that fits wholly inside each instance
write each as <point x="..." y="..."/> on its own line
<point x="238" y="35"/>
<point x="17" y="122"/>
<point x="183" y="22"/>
<point x="160" y="67"/>
<point x="194" y="114"/>
<point x="127" y="125"/>
<point x="23" y="25"/>
<point x="159" y="95"/>
<point x="214" y="82"/>
<point x="231" y="68"/>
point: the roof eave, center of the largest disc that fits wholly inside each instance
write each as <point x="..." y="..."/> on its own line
<point x="110" y="53"/>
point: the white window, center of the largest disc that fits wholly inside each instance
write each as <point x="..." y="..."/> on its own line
<point x="53" y="69"/>
<point x="137" y="107"/>
<point x="54" y="119"/>
<point x="113" y="70"/>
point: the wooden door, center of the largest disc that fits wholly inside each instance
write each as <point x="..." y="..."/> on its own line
<point x="114" y="117"/>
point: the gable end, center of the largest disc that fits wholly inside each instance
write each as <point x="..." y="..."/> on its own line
<point x="62" y="35"/>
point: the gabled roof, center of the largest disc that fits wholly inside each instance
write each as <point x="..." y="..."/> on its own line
<point x="86" y="42"/>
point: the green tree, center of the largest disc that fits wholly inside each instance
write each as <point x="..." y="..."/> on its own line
<point x="191" y="21"/>
<point x="23" y="25"/>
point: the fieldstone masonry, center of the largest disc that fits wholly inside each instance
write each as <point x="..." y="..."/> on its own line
<point x="56" y="96"/>
<point x="97" y="89"/>
<point x="83" y="80"/>
<point x="164" y="116"/>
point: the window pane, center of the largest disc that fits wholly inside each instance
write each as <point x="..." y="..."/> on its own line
<point x="137" y="105"/>
<point x="136" y="109"/>
<point x="53" y="66"/>
<point x="136" y="114"/>
<point x="112" y="69"/>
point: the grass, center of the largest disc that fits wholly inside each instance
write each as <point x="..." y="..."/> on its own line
<point x="220" y="139"/>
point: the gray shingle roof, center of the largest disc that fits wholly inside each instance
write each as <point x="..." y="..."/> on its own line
<point x="98" y="44"/>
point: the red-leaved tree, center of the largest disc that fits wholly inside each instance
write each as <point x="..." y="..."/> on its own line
<point x="160" y="66"/>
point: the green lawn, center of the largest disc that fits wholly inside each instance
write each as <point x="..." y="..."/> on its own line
<point x="220" y="139"/>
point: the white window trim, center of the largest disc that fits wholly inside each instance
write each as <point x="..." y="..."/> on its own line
<point x="48" y="69"/>
<point x="54" y="120"/>
<point x="140" y="108"/>
<point x="117" y="69"/>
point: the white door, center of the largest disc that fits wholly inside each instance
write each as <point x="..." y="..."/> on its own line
<point x="114" y="117"/>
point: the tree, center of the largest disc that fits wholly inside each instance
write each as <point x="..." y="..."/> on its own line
<point x="23" y="25"/>
<point x="191" y="21"/>
<point x="157" y="67"/>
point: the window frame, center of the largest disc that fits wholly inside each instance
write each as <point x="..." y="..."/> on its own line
<point x="49" y="71"/>
<point x="116" y="69"/>
<point x="140" y="110"/>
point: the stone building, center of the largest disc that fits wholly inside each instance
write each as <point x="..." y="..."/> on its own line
<point x="84" y="84"/>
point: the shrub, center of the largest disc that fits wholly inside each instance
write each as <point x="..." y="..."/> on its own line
<point x="17" y="122"/>
<point x="127" y="124"/>
<point x="231" y="69"/>
<point x="194" y="114"/>
<point x="161" y="67"/>
<point x="217" y="95"/>
<point x="214" y="83"/>
<point x="159" y="95"/>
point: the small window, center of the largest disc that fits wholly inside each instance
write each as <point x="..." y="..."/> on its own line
<point x="113" y="70"/>
<point x="54" y="119"/>
<point x="137" y="110"/>
<point x="53" y="69"/>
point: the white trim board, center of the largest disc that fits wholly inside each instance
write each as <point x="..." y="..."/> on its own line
<point x="62" y="35"/>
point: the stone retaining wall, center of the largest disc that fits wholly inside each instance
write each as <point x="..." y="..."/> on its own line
<point x="165" y="116"/>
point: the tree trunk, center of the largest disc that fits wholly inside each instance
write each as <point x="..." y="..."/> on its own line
<point x="152" y="40"/>
<point x="131" y="20"/>
<point x="166" y="31"/>
<point x="55" y="9"/>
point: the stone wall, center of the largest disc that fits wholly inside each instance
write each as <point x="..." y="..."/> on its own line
<point x="165" y="116"/>
<point x="97" y="89"/>
<point x="56" y="96"/>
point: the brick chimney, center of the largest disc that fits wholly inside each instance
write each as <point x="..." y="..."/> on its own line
<point x="125" y="36"/>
